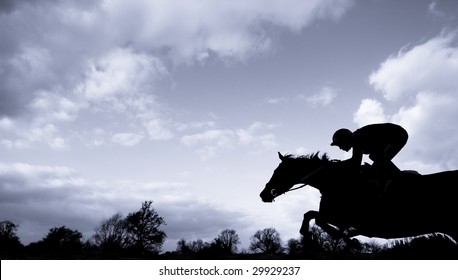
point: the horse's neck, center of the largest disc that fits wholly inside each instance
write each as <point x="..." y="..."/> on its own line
<point x="312" y="176"/>
<point x="311" y="165"/>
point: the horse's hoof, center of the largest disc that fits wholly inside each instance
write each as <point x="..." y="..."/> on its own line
<point x="354" y="243"/>
<point x="306" y="236"/>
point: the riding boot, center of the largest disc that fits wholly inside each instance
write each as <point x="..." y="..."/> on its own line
<point x="384" y="174"/>
<point x="390" y="173"/>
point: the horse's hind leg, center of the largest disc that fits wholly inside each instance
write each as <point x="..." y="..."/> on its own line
<point x="305" y="227"/>
<point x="319" y="221"/>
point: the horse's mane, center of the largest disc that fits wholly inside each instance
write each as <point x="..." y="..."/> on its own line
<point x="313" y="156"/>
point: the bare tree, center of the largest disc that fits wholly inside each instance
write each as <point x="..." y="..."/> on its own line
<point x="111" y="235"/>
<point x="143" y="229"/>
<point x="327" y="242"/>
<point x="195" y="247"/>
<point x="8" y="230"/>
<point x="294" y="246"/>
<point x="9" y="241"/>
<point x="266" y="241"/>
<point x="228" y="239"/>
<point x="183" y="248"/>
<point x="198" y="245"/>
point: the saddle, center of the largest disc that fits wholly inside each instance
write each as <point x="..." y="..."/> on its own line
<point x="387" y="184"/>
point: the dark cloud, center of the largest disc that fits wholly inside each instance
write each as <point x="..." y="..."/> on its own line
<point x="11" y="105"/>
<point x="47" y="196"/>
<point x="194" y="220"/>
<point x="7" y="6"/>
<point x="42" y="49"/>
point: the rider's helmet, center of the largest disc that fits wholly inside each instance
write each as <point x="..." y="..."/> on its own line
<point x="342" y="137"/>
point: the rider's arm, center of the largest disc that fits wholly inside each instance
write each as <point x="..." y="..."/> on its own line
<point x="357" y="157"/>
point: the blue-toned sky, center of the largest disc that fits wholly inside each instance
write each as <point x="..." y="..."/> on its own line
<point x="105" y="104"/>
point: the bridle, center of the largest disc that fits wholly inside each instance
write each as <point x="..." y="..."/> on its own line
<point x="273" y="192"/>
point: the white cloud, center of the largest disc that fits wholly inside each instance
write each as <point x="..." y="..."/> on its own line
<point x="430" y="122"/>
<point x="6" y="123"/>
<point x="47" y="133"/>
<point x="370" y="111"/>
<point x="119" y="83"/>
<point x="430" y="112"/>
<point x="157" y="130"/>
<point x="86" y="57"/>
<point x="301" y="150"/>
<point x="26" y="136"/>
<point x="232" y="29"/>
<point x="120" y="73"/>
<point x="20" y="144"/>
<point x="277" y="100"/>
<point x="58" y="143"/>
<point x="52" y="107"/>
<point x="195" y="125"/>
<point x="127" y="139"/>
<point x="421" y="86"/>
<point x="323" y="98"/>
<point x="433" y="10"/>
<point x="251" y="135"/>
<point x="33" y="171"/>
<point x="209" y="142"/>
<point x="220" y="137"/>
<point x="431" y="66"/>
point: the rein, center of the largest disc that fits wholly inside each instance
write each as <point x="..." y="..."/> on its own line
<point x="296" y="188"/>
<point x="304" y="180"/>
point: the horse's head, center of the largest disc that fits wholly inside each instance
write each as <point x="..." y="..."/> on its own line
<point x="288" y="173"/>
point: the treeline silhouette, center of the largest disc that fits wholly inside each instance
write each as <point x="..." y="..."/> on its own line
<point x="139" y="236"/>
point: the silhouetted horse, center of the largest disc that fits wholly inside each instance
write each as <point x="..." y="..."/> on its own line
<point x="358" y="204"/>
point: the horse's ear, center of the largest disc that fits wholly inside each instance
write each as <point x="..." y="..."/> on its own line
<point x="280" y="156"/>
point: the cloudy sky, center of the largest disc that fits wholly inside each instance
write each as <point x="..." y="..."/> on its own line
<point x="105" y="104"/>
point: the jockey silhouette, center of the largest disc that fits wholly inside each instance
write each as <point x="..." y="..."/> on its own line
<point x="382" y="142"/>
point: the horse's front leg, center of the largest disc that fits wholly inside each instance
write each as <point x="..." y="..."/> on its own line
<point x="332" y="231"/>
<point x="337" y="233"/>
<point x="305" y="228"/>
